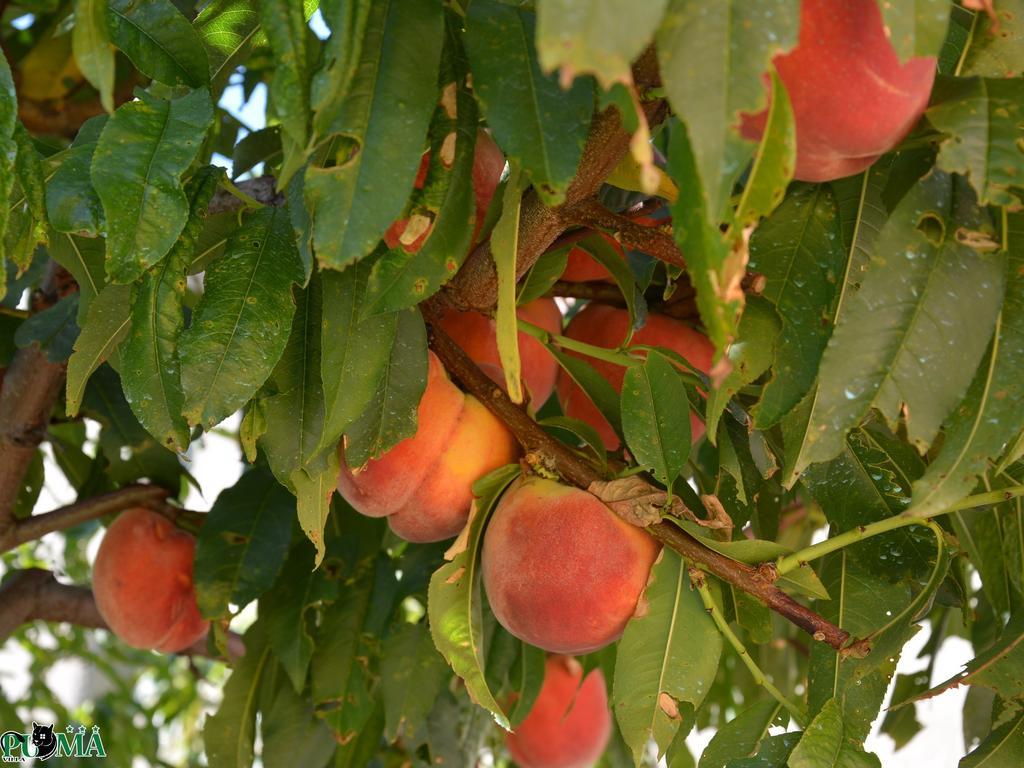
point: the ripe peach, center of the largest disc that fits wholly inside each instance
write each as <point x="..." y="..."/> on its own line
<point x="581" y="267"/>
<point x="606" y="326"/>
<point x="562" y="571"/>
<point x="569" y="724"/>
<point x="488" y="164"/>
<point x="477" y="335"/>
<point x="142" y="580"/>
<point x="852" y="98"/>
<point x="423" y="485"/>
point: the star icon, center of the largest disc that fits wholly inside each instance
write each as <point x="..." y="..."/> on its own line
<point x="81" y="729"/>
<point x="96" y="729"/>
<point x="70" y="729"/>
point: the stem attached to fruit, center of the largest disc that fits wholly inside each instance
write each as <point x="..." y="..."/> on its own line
<point x="575" y="469"/>
<point x="798" y="559"/>
<point x="700" y="583"/>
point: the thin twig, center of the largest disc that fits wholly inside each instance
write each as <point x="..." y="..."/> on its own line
<point x="652" y="240"/>
<point x="557" y="456"/>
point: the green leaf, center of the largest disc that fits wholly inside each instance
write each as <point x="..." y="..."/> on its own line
<point x="159" y="40"/>
<point x="774" y="161"/>
<point x="243" y="543"/>
<point x="284" y="23"/>
<point x="72" y="204"/>
<point x="83" y="257"/>
<point x="391" y="415"/>
<point x="106" y="325"/>
<point x="995" y="48"/>
<point x="916" y="330"/>
<point x="226" y="28"/>
<point x="600" y="38"/>
<point x="773" y="753"/>
<point x="94" y="53"/>
<point x="901" y="725"/>
<point x="655" y="417"/>
<point x="413" y="674"/>
<point x="916" y="27"/>
<point x="353" y="365"/>
<point x="666" y="660"/>
<point x="453" y="600"/>
<point x="712" y="59"/>
<point x="262" y="146"/>
<point x="800" y="252"/>
<point x="862" y="604"/>
<point x="1002" y="748"/>
<point x="152" y="369"/>
<point x="715" y="271"/>
<point x="504" y="249"/>
<point x="8" y="153"/>
<point x="750" y="356"/>
<point x="240" y="327"/>
<point x="399" y="279"/>
<point x="862" y="213"/>
<point x="289" y="611"/>
<point x="290" y="730"/>
<point x="596" y="387"/>
<point x="342" y="52"/>
<point x="991" y="413"/>
<point x="741" y="736"/>
<point x="54" y="329"/>
<point x="314" y="486"/>
<point x="983" y="121"/>
<point x="540" y="126"/>
<point x="352" y="203"/>
<point x="868" y="481"/>
<point x="825" y="744"/>
<point x="141" y="155"/>
<point x="229" y="734"/>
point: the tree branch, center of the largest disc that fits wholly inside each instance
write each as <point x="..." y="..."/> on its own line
<point x="652" y="240"/>
<point x="556" y="455"/>
<point x="35" y="594"/>
<point x="263" y="189"/>
<point x="36" y="526"/>
<point x="475" y="286"/>
<point x="32" y="385"/>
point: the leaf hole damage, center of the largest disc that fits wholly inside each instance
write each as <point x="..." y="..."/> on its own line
<point x="932" y="227"/>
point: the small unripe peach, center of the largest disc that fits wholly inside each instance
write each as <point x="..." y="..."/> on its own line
<point x="142" y="580"/>
<point x="423" y="485"/>
<point x="606" y="326"/>
<point x="569" y="724"/>
<point x="562" y="571"/>
<point x="478" y="336"/>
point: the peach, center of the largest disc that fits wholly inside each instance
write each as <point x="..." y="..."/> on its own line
<point x="569" y="724"/>
<point x="606" y="326"/>
<point x="562" y="571"/>
<point x="581" y="267"/>
<point x="423" y="485"/>
<point x="488" y="165"/>
<point x="142" y="580"/>
<point x="477" y="335"/>
<point x="852" y="99"/>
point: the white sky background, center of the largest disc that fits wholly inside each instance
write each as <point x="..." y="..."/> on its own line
<point x="215" y="462"/>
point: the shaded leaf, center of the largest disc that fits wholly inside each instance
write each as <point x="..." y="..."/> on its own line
<point x="159" y="40"/>
<point x="413" y="675"/>
<point x="741" y="736"/>
<point x="94" y="53"/>
<point x="106" y="325"/>
<point x="916" y="28"/>
<point x="72" y="205"/>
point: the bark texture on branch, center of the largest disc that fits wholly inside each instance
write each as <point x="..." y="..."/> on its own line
<point x="556" y="455"/>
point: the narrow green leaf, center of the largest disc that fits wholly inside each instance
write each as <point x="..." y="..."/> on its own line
<point x="342" y="54"/>
<point x="84" y="258"/>
<point x="889" y="348"/>
<point x="453" y="601"/>
<point x="72" y="204"/>
<point x="227" y="28"/>
<point x="600" y="38"/>
<point x="540" y="126"/>
<point x="995" y="48"/>
<point x="1002" y="748"/>
<point x="656" y="417"/>
<point x="413" y="674"/>
<point x="666" y="661"/>
<point x="825" y="745"/>
<point x="284" y="23"/>
<point x="774" y="161"/>
<point x="712" y="59"/>
<point x="240" y="327"/>
<point x="159" y="40"/>
<point x="106" y="325"/>
<point x="94" y="53"/>
<point x="504" y="248"/>
<point x="353" y="365"/>
<point x="741" y="736"/>
<point x="141" y="155"/>
<point x="391" y="416"/>
<point x="243" y="543"/>
<point x="8" y="153"/>
<point x="984" y="124"/>
<point x="352" y="203"/>
<point x="54" y="329"/>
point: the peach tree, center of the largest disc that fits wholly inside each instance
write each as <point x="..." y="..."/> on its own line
<point x="602" y="371"/>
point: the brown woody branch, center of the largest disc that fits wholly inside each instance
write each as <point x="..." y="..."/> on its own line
<point x="652" y="240"/>
<point x="557" y="456"/>
<point x="36" y="526"/>
<point x="476" y="284"/>
<point x="34" y="594"/>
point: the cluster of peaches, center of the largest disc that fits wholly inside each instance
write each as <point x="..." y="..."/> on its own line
<point x="561" y="571"/>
